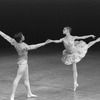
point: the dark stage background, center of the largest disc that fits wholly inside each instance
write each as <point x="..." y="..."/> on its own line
<point x="43" y="19"/>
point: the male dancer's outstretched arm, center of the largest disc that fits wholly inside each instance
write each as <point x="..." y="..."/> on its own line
<point x="8" y="38"/>
<point x="35" y="46"/>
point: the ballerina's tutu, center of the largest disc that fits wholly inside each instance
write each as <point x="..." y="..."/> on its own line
<point x="75" y="54"/>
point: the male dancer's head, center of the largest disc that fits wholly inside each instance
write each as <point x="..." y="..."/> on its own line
<point x="19" y="37"/>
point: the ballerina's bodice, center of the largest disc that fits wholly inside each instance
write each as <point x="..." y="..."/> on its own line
<point x="69" y="45"/>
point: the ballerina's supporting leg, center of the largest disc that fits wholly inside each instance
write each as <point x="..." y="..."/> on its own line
<point x="27" y="83"/>
<point x="75" y="75"/>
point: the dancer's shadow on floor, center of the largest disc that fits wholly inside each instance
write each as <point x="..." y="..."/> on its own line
<point x="22" y="97"/>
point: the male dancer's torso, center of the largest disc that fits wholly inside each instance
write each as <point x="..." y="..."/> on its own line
<point x="22" y="51"/>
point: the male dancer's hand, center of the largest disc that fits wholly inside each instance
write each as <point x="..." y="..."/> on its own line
<point x="48" y="41"/>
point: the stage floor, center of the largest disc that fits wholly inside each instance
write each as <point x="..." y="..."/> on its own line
<point x="50" y="79"/>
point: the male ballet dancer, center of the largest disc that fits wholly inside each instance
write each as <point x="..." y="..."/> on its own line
<point x="22" y="50"/>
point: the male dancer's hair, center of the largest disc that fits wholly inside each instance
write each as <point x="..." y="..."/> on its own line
<point x="18" y="36"/>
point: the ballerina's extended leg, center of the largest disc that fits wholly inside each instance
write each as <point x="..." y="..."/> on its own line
<point x="93" y="42"/>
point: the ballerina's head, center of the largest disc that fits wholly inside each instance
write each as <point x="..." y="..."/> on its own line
<point x="67" y="31"/>
<point x="19" y="37"/>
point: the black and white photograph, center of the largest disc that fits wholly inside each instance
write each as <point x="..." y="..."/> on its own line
<point x="49" y="49"/>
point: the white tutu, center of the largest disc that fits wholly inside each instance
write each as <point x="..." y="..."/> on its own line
<point x="75" y="54"/>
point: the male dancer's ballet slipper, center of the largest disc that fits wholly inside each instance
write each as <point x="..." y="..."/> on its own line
<point x="32" y="96"/>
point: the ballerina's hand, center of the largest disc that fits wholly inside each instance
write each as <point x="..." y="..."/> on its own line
<point x="48" y="41"/>
<point x="93" y="36"/>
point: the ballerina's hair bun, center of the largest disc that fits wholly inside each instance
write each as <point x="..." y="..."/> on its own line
<point x="68" y="28"/>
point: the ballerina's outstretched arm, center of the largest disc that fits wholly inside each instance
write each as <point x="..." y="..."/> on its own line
<point x="84" y="37"/>
<point x="8" y="38"/>
<point x="35" y="46"/>
<point x="57" y="41"/>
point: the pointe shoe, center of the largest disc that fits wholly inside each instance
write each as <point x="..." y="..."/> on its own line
<point x="11" y="98"/>
<point x="32" y="96"/>
<point x="75" y="86"/>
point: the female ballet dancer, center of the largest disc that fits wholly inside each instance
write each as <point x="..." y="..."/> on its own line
<point x="74" y="50"/>
<point x="22" y="50"/>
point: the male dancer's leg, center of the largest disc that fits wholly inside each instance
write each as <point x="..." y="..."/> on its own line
<point x="20" y="72"/>
<point x="27" y="83"/>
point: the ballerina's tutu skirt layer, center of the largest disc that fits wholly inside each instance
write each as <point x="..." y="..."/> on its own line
<point x="76" y="54"/>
